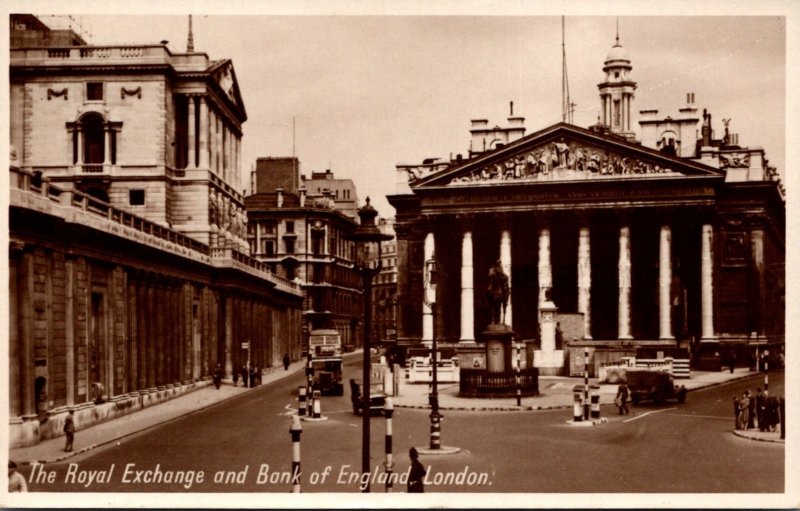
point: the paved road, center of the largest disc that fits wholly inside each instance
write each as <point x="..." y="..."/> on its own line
<point x="243" y="445"/>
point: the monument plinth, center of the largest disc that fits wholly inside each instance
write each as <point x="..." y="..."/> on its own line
<point x="548" y="359"/>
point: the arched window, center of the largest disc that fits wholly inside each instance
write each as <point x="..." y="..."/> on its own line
<point x="93" y="138"/>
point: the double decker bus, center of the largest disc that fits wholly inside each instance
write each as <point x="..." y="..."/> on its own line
<point x="325" y="347"/>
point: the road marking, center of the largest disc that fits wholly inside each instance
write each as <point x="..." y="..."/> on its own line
<point x="703" y="416"/>
<point x="648" y="413"/>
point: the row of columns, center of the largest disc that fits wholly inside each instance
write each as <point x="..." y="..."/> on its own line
<point x="624" y="113"/>
<point x="584" y="281"/>
<point x="216" y="146"/>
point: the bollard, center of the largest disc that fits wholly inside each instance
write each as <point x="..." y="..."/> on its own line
<point x="317" y="399"/>
<point x="295" y="430"/>
<point x="301" y="397"/>
<point x="519" y="382"/>
<point x="436" y="428"/>
<point x="388" y="410"/>
<point x="586" y="383"/>
<point x="309" y="385"/>
<point x="577" y="392"/>
<point x="595" y="396"/>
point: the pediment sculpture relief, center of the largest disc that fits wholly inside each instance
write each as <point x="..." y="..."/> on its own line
<point x="734" y="161"/>
<point x="561" y="160"/>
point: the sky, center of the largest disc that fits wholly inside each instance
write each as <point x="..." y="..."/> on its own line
<point x="368" y="92"/>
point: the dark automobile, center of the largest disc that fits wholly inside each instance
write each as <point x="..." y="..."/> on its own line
<point x="657" y="386"/>
<point x="377" y="398"/>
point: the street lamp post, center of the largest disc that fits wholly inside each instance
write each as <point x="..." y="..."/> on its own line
<point x="367" y="238"/>
<point x="430" y="301"/>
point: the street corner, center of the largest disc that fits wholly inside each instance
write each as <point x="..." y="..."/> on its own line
<point x="760" y="436"/>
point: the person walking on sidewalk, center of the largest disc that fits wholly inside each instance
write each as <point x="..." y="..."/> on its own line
<point x="760" y="407"/>
<point x="286" y="361"/>
<point x="16" y="481"/>
<point x="69" y="431"/>
<point x="622" y="399"/>
<point x="736" y="412"/>
<point x="416" y="476"/>
<point x="218" y="376"/>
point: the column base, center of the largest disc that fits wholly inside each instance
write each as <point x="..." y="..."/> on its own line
<point x="709" y="339"/>
<point x="625" y="337"/>
<point x="666" y="338"/>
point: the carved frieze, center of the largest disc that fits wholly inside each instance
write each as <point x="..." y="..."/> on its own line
<point x="559" y="160"/>
<point x="734" y="161"/>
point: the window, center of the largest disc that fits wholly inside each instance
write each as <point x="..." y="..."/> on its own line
<point x="268" y="247"/>
<point x="267" y="228"/>
<point x="290" y="226"/>
<point x="616" y="74"/>
<point x="289" y="242"/>
<point x="94" y="91"/>
<point x="136" y="197"/>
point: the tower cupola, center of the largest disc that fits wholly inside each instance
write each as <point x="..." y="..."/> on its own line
<point x="616" y="92"/>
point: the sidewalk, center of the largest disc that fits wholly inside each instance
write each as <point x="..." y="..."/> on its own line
<point x="761" y="436"/>
<point x="52" y="450"/>
<point x="554" y="392"/>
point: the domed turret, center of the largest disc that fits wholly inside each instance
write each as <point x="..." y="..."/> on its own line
<point x="616" y="92"/>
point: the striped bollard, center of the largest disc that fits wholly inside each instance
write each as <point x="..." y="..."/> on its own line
<point x="595" y="393"/>
<point x="436" y="428"/>
<point x="301" y="397"/>
<point x="388" y="410"/>
<point x="317" y="400"/>
<point x="295" y="430"/>
<point x="586" y="383"/>
<point x="577" y="415"/>
<point x="309" y="385"/>
<point x="766" y="374"/>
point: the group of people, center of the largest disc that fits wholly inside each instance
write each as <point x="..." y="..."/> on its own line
<point x="253" y="376"/>
<point x="761" y="410"/>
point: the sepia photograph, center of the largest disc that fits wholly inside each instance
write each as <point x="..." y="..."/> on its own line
<point x="328" y="254"/>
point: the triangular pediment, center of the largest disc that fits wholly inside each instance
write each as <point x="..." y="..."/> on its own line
<point x="564" y="153"/>
<point x="224" y="75"/>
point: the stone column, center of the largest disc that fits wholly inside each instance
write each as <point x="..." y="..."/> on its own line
<point x="707" y="283"/>
<point x="664" y="283"/>
<point x="757" y="258"/>
<point x="467" y="290"/>
<point x="203" y="133"/>
<point x="69" y="332"/>
<point x="545" y="270"/>
<point x="191" y="161"/>
<point x="228" y="335"/>
<point x="26" y="339"/>
<point x="585" y="280"/>
<point x="427" y="312"/>
<point x="106" y="144"/>
<point x="80" y="144"/>
<point x="505" y="261"/>
<point x="624" y="315"/>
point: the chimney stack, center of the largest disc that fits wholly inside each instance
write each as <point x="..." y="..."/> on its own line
<point x="279" y="191"/>
<point x="302" y="191"/>
<point x="706" y="129"/>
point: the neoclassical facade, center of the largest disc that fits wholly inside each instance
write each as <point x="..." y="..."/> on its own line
<point x="635" y="243"/>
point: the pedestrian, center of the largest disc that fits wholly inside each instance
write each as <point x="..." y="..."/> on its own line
<point x="252" y="376"/>
<point x="258" y="374"/>
<point x="16" y="481"/>
<point x="417" y="474"/>
<point x="69" y="430"/>
<point x="245" y="374"/>
<point x="622" y="399"/>
<point x="744" y="406"/>
<point x="286" y="361"/>
<point x="218" y="376"/>
<point x="760" y="407"/>
<point x="732" y="361"/>
<point x="735" y="412"/>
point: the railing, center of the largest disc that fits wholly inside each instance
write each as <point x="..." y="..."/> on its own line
<point x="92" y="168"/>
<point x="26" y="181"/>
<point x="104" y="53"/>
<point x="480" y="382"/>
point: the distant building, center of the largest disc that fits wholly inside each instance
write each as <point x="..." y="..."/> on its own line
<point x="384" y="287"/>
<point x="129" y="279"/>
<point x="276" y="172"/>
<point x="342" y="191"/>
<point x="305" y="239"/>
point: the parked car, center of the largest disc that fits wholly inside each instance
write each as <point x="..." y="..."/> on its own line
<point x="657" y="386"/>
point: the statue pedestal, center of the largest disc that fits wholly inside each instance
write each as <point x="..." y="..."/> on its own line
<point x="498" y="348"/>
<point x="549" y="363"/>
